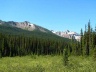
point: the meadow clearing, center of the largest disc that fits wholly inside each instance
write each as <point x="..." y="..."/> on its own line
<point x="47" y="63"/>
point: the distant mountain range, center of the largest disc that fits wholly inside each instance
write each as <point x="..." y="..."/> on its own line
<point x="68" y="34"/>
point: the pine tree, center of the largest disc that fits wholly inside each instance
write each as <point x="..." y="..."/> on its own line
<point x="65" y="57"/>
<point x="88" y="39"/>
<point x="81" y="42"/>
<point x="94" y="56"/>
<point x="2" y="46"/>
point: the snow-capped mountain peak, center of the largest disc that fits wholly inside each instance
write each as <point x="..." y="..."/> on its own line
<point x="68" y="34"/>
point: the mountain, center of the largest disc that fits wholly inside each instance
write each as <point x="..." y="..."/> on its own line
<point x="24" y="25"/>
<point x="27" y="29"/>
<point x="68" y="34"/>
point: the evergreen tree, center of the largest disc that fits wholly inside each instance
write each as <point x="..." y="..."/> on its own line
<point x="87" y="39"/>
<point x="81" y="42"/>
<point x="2" y="46"/>
<point x="65" y="57"/>
<point x="94" y="55"/>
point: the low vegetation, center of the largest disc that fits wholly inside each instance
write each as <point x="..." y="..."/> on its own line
<point x="47" y="63"/>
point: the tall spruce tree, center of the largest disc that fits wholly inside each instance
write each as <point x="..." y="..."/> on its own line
<point x="81" y="42"/>
<point x="94" y="55"/>
<point x="88" y="39"/>
<point x="65" y="57"/>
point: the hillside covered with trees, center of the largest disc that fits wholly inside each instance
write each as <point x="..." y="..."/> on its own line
<point x="18" y="42"/>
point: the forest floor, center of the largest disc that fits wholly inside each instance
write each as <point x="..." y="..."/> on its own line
<point x="47" y="63"/>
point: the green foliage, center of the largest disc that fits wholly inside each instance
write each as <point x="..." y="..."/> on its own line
<point x="94" y="55"/>
<point x="81" y="42"/>
<point x="47" y="63"/>
<point x="88" y="40"/>
<point x="65" y="57"/>
<point x="0" y="54"/>
<point x="18" y="42"/>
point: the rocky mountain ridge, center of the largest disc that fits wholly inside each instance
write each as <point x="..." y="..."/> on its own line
<point x="68" y="34"/>
<point x="24" y="25"/>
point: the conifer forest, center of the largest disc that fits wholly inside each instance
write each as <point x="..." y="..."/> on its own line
<point x="66" y="55"/>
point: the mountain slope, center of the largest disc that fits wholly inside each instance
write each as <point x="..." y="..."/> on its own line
<point x="20" y="41"/>
<point x="24" y="25"/>
<point x="39" y="32"/>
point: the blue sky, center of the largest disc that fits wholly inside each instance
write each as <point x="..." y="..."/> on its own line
<point x="58" y="15"/>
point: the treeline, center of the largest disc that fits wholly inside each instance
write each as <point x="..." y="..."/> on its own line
<point x="87" y="44"/>
<point x="16" y="45"/>
<point x="88" y="40"/>
<point x="18" y="42"/>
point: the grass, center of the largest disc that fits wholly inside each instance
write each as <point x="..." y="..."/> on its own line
<point x="47" y="63"/>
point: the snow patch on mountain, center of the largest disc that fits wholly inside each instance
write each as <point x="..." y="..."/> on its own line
<point x="68" y="34"/>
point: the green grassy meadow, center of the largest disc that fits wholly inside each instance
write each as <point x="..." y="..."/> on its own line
<point x="47" y="63"/>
